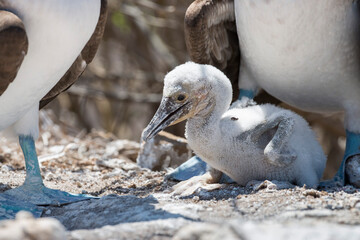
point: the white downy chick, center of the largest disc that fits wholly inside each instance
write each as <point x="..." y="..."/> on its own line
<point x="261" y="142"/>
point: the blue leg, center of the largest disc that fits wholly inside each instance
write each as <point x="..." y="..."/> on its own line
<point x="246" y="93"/>
<point x="352" y="149"/>
<point x="33" y="190"/>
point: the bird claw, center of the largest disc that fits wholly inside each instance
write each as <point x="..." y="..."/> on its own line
<point x="43" y="196"/>
<point x="193" y="185"/>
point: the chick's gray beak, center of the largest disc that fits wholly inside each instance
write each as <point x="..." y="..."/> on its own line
<point x="167" y="113"/>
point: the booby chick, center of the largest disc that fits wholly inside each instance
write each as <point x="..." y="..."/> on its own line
<point x="44" y="48"/>
<point x="261" y="142"/>
<point x="305" y="53"/>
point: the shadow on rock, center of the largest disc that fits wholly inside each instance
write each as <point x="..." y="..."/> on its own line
<point x="108" y="210"/>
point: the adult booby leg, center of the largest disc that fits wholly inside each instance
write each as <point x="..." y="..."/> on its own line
<point x="33" y="189"/>
<point x="352" y="160"/>
<point x="250" y="94"/>
<point x="349" y="170"/>
<point x="195" y="166"/>
<point x="32" y="192"/>
<point x="245" y="99"/>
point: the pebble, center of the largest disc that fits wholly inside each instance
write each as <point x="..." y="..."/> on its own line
<point x="196" y="198"/>
<point x="6" y="168"/>
<point x="49" y="176"/>
<point x="312" y="192"/>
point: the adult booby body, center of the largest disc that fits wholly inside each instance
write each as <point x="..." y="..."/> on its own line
<point x="303" y="52"/>
<point x="44" y="48"/>
<point x="253" y="143"/>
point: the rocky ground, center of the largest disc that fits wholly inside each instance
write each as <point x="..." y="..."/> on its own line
<point x="136" y="203"/>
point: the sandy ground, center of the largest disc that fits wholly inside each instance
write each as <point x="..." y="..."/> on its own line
<point x="136" y="203"/>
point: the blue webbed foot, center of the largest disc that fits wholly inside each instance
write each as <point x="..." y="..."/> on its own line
<point x="40" y="195"/>
<point x="193" y="167"/>
<point x="10" y="207"/>
<point x="33" y="193"/>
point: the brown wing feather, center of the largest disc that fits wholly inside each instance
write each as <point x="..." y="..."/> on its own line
<point x="211" y="36"/>
<point x="85" y="57"/>
<point x="13" y="47"/>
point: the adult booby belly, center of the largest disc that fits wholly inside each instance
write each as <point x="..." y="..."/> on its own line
<point x="50" y="53"/>
<point x="304" y="54"/>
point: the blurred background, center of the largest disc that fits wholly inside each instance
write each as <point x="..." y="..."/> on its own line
<point x="120" y="90"/>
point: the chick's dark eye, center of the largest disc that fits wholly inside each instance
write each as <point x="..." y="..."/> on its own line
<point x="181" y="97"/>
